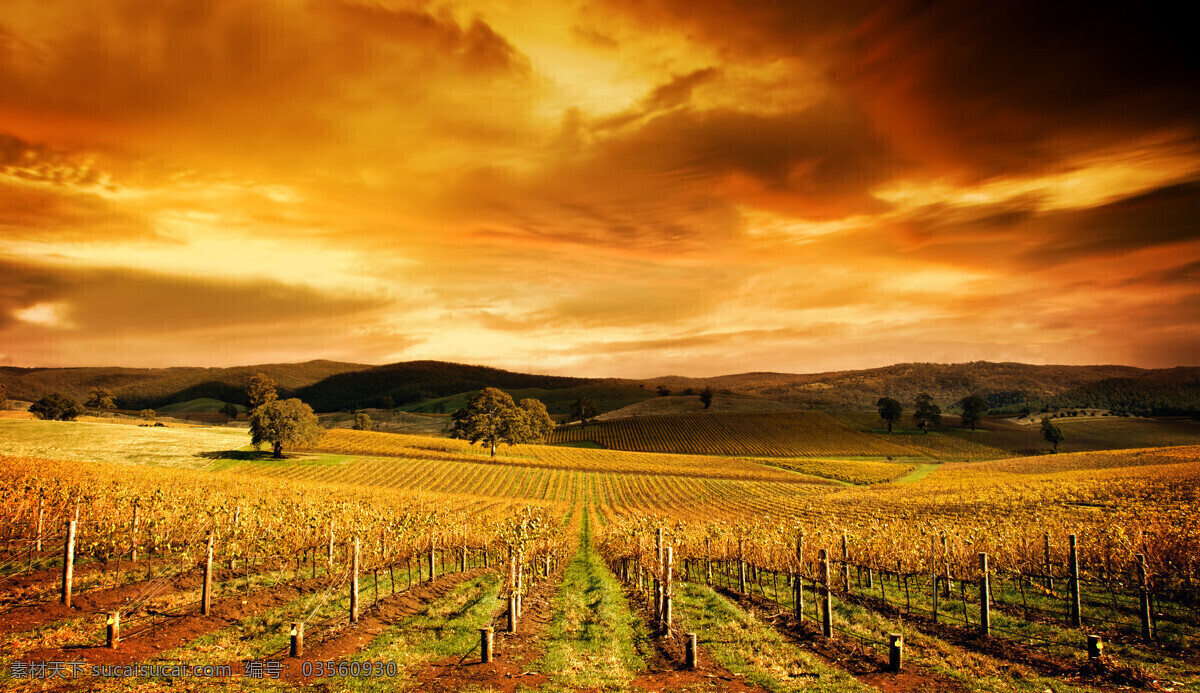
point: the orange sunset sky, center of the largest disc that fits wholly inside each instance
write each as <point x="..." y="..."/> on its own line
<point x="620" y="187"/>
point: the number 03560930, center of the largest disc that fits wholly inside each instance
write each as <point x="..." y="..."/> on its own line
<point x="319" y="669"/>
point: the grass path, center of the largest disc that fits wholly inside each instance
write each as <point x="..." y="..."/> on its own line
<point x="753" y="649"/>
<point x="593" y="640"/>
<point x="922" y="470"/>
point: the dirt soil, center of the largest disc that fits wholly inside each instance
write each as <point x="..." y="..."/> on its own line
<point x="175" y="630"/>
<point x="343" y="640"/>
<point x="94" y="601"/>
<point x="514" y="652"/>
<point x="666" y="668"/>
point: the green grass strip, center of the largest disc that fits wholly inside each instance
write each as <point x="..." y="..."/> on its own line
<point x="741" y="643"/>
<point x="594" y="639"/>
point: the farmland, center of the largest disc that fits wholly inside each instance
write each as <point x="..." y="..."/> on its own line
<point x="593" y="513"/>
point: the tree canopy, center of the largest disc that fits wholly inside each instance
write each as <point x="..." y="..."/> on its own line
<point x="230" y="411"/>
<point x="537" y="419"/>
<point x="973" y="409"/>
<point x="706" y="396"/>
<point x="261" y="391"/>
<point x="56" y="407"/>
<point x="1053" y="434"/>
<point x="491" y="417"/>
<point x="583" y="410"/>
<point x="927" y="413"/>
<point x="362" y="421"/>
<point x="101" y="398"/>
<point x="284" y="422"/>
<point x="889" y="410"/>
<point x="3" y="397"/>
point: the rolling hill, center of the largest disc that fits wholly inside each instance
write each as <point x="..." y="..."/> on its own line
<point x="421" y="385"/>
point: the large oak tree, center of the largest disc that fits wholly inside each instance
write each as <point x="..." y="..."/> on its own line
<point x="491" y="417"/>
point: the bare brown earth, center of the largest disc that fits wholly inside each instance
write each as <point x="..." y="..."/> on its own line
<point x="666" y="663"/>
<point x="342" y="640"/>
<point x="169" y="631"/>
<point x="95" y="601"/>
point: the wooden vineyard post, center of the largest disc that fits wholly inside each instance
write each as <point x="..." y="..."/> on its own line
<point x="667" y="589"/>
<point x="1076" y="617"/>
<point x="68" y="563"/>
<point x="1049" y="580"/>
<point x="798" y="586"/>
<point x="520" y="580"/>
<point x="512" y="612"/>
<point x="895" y="651"/>
<point x="297" y="645"/>
<point x="708" y="561"/>
<point x="985" y="614"/>
<point x="41" y="514"/>
<point x="206" y="589"/>
<point x="354" y="584"/>
<point x="741" y="565"/>
<point x="933" y="575"/>
<point x="114" y="629"/>
<point x="485" y="557"/>
<point x="690" y="654"/>
<point x="947" y="583"/>
<point x="658" y="586"/>
<point x="826" y="596"/>
<point x="432" y="561"/>
<point x="845" y="564"/>
<point x="330" y="546"/>
<point x="1143" y="597"/>
<point x="376" y="573"/>
<point x="486" y="643"/>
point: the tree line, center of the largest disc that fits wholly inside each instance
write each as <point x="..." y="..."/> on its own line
<point x="927" y="414"/>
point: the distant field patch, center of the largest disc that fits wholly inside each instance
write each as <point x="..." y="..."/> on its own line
<point x="107" y="442"/>
<point x="202" y="405"/>
<point x="849" y="471"/>
<point x="770" y="434"/>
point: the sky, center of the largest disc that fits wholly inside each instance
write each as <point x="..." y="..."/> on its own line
<point x="627" y="188"/>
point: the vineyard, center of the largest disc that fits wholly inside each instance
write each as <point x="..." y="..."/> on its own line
<point x="396" y="554"/>
<point x="772" y="434"/>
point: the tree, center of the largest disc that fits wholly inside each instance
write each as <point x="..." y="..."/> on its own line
<point x="230" y="411"/>
<point x="889" y="410"/>
<point x="101" y="398"/>
<point x="491" y="417"/>
<point x="149" y="414"/>
<point x="583" y="410"/>
<point x="439" y="407"/>
<point x="538" y="422"/>
<point x="927" y="413"/>
<point x="706" y="396"/>
<point x="973" y="409"/>
<point x="56" y="407"/>
<point x="3" y="397"/>
<point x="663" y="391"/>
<point x="362" y="422"/>
<point x="688" y="392"/>
<point x="260" y="392"/>
<point x="284" y="422"/>
<point x="1051" y="433"/>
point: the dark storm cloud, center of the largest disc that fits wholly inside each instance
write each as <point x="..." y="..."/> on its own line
<point x="1165" y="216"/>
<point x="980" y="87"/>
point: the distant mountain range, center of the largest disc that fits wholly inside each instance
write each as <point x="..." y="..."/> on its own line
<point x="332" y="386"/>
